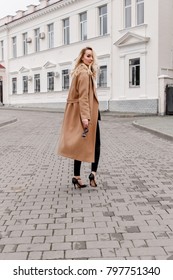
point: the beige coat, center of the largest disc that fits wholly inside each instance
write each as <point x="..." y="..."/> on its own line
<point x="82" y="103"/>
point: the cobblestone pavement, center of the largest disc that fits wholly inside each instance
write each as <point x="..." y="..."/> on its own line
<point x="128" y="216"/>
<point x="161" y="126"/>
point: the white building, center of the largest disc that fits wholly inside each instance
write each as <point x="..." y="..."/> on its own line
<point x="133" y="40"/>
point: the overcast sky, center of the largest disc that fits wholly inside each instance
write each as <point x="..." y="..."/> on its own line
<point x="9" y="7"/>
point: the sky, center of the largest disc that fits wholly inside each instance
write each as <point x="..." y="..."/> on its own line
<point x="9" y="7"/>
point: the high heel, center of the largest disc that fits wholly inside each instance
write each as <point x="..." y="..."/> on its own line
<point x="92" y="180"/>
<point x="76" y="183"/>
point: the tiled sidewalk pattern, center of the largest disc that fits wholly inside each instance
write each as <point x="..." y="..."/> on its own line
<point x="129" y="215"/>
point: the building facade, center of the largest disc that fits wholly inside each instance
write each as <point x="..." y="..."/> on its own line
<point x="133" y="40"/>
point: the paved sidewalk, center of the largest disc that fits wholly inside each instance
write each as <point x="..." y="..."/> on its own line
<point x="158" y="125"/>
<point x="128" y="216"/>
<point x="5" y="118"/>
<point x="161" y="126"/>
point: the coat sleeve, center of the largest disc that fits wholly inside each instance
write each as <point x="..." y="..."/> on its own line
<point x="83" y="90"/>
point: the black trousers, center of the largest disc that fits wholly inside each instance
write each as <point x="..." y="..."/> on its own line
<point x="94" y="165"/>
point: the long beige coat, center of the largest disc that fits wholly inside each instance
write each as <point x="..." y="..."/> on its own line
<point x="82" y="103"/>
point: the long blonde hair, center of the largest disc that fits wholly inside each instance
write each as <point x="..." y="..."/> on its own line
<point x="92" y="69"/>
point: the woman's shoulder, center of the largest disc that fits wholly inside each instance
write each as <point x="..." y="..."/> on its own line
<point x="80" y="70"/>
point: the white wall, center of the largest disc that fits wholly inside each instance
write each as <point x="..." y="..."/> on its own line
<point x="146" y="51"/>
<point x="165" y="37"/>
<point x="153" y="45"/>
<point x="62" y="56"/>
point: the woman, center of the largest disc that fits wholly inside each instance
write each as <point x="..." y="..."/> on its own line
<point x="80" y="135"/>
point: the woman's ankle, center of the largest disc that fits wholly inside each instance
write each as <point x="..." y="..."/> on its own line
<point x="77" y="177"/>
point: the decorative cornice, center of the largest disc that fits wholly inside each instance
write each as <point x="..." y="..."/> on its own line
<point x="14" y="73"/>
<point x="103" y="56"/>
<point x="49" y="65"/>
<point x="3" y="27"/>
<point x="131" y="39"/>
<point x="65" y="63"/>
<point x="38" y="13"/>
<point x="23" y="70"/>
<point x="36" y="68"/>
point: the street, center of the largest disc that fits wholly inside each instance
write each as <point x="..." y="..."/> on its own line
<point x="128" y="216"/>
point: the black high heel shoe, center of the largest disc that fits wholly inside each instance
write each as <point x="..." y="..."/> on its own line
<point x="76" y="183"/>
<point x="92" y="180"/>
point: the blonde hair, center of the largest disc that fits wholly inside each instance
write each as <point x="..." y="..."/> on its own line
<point x="92" y="69"/>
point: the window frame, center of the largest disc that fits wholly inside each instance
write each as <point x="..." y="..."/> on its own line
<point x="66" y="31"/>
<point x="139" y="8"/>
<point x="134" y="73"/>
<point x="14" y="85"/>
<point x="102" y="81"/>
<point x="25" y="84"/>
<point x="83" y="26"/>
<point x="14" y="46"/>
<point x="103" y="18"/>
<point x="127" y="12"/>
<point x="50" y="29"/>
<point x="65" y="79"/>
<point x="37" y="39"/>
<point x="50" y="81"/>
<point x="25" y="46"/>
<point x="36" y="83"/>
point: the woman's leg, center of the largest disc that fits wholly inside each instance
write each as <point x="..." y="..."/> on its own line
<point x="77" y="166"/>
<point x="76" y="180"/>
<point x="94" y="165"/>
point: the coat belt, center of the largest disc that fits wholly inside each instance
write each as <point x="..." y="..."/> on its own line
<point x="72" y="100"/>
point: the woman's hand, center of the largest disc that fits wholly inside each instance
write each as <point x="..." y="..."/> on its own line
<point x="85" y="123"/>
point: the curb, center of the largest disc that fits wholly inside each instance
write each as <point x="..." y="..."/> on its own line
<point x="153" y="131"/>
<point x="34" y="109"/>
<point x="8" y="122"/>
<point x="104" y="113"/>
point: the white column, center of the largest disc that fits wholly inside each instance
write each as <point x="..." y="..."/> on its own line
<point x="74" y="32"/>
<point x="92" y="23"/>
<point x="133" y="7"/>
<point x="143" y="69"/>
<point x="122" y="74"/>
<point x="57" y="33"/>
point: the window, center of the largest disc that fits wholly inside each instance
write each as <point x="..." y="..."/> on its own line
<point x="14" y="85"/>
<point x="127" y="13"/>
<point x="25" y="47"/>
<point x="66" y="31"/>
<point x="102" y="79"/>
<point x="140" y="11"/>
<point x="2" y="50"/>
<point x="37" y="83"/>
<point x="50" y="35"/>
<point x="37" y="39"/>
<point x="14" y="46"/>
<point x="103" y="20"/>
<point x="25" y="84"/>
<point x="65" y="79"/>
<point x="83" y="26"/>
<point x="134" y="72"/>
<point x="50" y="81"/>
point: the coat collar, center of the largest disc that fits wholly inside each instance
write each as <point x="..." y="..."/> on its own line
<point x="84" y="66"/>
<point x="94" y="87"/>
